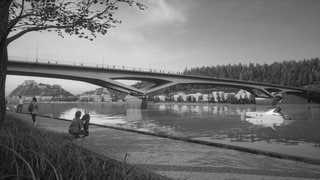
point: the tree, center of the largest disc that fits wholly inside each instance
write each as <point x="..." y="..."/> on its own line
<point x="82" y="18"/>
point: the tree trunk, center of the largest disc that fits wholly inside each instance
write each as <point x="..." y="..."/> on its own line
<point x="4" y="16"/>
<point x="3" y="74"/>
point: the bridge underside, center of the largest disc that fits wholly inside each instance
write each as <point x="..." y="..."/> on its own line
<point x="108" y="78"/>
<point x="257" y="90"/>
<point x="161" y="84"/>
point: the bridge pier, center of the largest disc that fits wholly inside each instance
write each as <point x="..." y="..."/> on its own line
<point x="144" y="103"/>
<point x="136" y="102"/>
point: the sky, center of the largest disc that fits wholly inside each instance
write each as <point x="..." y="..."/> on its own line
<point x="178" y="34"/>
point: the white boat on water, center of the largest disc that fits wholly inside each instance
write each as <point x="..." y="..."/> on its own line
<point x="269" y="118"/>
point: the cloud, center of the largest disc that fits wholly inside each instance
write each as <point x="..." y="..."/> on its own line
<point x="160" y="12"/>
<point x="140" y="27"/>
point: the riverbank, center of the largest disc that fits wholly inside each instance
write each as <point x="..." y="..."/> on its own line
<point x="220" y="125"/>
<point x="34" y="153"/>
<point x="179" y="159"/>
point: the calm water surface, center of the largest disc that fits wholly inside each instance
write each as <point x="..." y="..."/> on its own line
<point x="213" y="122"/>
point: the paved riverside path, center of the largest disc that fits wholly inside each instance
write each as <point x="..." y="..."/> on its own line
<point x="178" y="159"/>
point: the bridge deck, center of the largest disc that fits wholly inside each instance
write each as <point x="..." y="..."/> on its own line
<point x="107" y="76"/>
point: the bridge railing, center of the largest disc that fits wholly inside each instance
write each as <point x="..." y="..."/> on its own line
<point x="81" y="64"/>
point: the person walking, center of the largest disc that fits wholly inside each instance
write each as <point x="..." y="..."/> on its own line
<point x="20" y="104"/>
<point x="86" y="119"/>
<point x="33" y="109"/>
<point x="76" y="126"/>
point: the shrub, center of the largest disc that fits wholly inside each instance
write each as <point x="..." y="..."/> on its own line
<point x="31" y="153"/>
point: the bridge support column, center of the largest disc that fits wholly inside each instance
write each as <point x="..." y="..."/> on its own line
<point x="134" y="102"/>
<point x="144" y="103"/>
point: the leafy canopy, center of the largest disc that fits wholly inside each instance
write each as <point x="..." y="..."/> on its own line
<point x="83" y="18"/>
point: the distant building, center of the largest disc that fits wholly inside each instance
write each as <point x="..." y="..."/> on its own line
<point x="42" y="86"/>
<point x="215" y="95"/>
<point x="242" y="94"/>
<point x="106" y="98"/>
<point x="105" y="90"/>
<point x="46" y="98"/>
<point x="98" y="95"/>
<point x="205" y="97"/>
<point x="180" y="97"/>
<point x="162" y="98"/>
<point x="221" y="96"/>
<point x="96" y="98"/>
<point x="29" y="82"/>
<point x="84" y="98"/>
<point x="56" y="86"/>
<point x="195" y="97"/>
<point x="28" y="98"/>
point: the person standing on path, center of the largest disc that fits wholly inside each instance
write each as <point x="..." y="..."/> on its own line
<point x="86" y="119"/>
<point x="20" y="104"/>
<point x="33" y="109"/>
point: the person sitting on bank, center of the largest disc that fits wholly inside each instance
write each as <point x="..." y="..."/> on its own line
<point x="86" y="119"/>
<point x="76" y="126"/>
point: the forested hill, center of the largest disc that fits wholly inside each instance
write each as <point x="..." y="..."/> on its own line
<point x="289" y="73"/>
<point x="32" y="88"/>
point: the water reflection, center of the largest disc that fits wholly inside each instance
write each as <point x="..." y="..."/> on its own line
<point x="215" y="109"/>
<point x="95" y="117"/>
<point x="230" y="122"/>
<point x="214" y="121"/>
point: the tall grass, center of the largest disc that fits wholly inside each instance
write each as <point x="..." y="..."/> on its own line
<point x="31" y="153"/>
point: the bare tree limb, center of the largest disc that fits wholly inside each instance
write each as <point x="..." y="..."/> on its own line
<point x="13" y="22"/>
<point x="16" y="36"/>
<point x="22" y="8"/>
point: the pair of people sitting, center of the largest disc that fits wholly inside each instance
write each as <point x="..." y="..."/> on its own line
<point x="80" y="126"/>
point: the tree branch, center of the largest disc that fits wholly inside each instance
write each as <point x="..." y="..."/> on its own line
<point x="22" y="8"/>
<point x="98" y="14"/>
<point x="17" y="19"/>
<point x="16" y="36"/>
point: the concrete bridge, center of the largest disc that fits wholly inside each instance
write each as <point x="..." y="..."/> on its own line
<point x="107" y="76"/>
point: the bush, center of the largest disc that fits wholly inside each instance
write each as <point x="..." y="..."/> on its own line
<point x="31" y="153"/>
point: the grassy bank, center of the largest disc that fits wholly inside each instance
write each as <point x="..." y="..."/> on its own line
<point x="32" y="153"/>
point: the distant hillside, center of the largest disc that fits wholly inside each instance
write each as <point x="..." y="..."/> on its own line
<point x="98" y="91"/>
<point x="32" y="88"/>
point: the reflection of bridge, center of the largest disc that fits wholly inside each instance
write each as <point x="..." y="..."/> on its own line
<point x="108" y="76"/>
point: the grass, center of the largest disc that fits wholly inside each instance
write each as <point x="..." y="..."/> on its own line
<point x="32" y="153"/>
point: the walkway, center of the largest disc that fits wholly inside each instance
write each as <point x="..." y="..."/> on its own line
<point x="181" y="160"/>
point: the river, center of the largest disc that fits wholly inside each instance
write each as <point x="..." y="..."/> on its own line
<point x="222" y="123"/>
